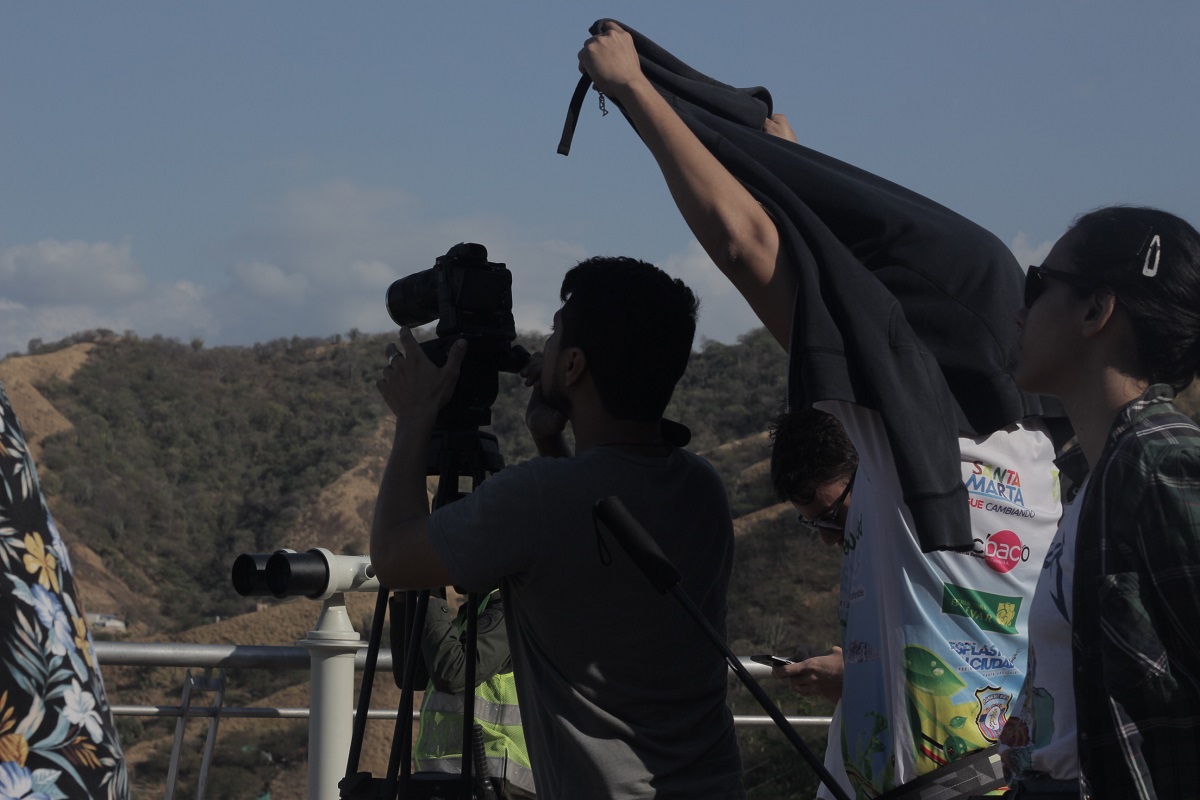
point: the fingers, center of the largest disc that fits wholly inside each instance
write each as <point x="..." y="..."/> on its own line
<point x="611" y="60"/>
<point x="532" y="371"/>
<point x="608" y="27"/>
<point x="777" y="125"/>
<point x="454" y="359"/>
<point x="407" y="342"/>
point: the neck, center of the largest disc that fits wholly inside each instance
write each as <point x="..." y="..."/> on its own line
<point x="1092" y="408"/>
<point x="635" y="437"/>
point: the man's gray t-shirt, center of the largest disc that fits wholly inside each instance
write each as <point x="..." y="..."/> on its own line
<point x="622" y="693"/>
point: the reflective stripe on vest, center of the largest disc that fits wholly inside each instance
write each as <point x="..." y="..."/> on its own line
<point x="439" y="740"/>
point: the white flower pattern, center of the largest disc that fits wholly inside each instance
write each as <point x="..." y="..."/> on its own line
<point x="46" y="678"/>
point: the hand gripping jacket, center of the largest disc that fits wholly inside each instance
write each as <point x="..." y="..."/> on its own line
<point x="903" y="306"/>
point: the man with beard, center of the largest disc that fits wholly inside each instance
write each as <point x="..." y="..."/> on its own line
<point x="621" y="694"/>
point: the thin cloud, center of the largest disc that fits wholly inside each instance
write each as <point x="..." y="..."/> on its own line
<point x="52" y="271"/>
<point x="53" y="289"/>
<point x="1028" y="253"/>
<point x="316" y="262"/>
<point x="261" y="281"/>
<point x="724" y="313"/>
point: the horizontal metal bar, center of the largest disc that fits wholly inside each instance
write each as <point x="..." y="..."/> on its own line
<point x="174" y="654"/>
<point x="766" y="722"/>
<point x="254" y="712"/>
<point x="211" y="656"/>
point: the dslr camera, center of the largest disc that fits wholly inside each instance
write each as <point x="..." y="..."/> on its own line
<point x="471" y="298"/>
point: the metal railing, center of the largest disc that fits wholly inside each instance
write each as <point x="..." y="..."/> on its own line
<point x="332" y="652"/>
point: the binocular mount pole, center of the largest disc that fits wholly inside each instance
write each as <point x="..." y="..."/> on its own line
<point x="331" y="646"/>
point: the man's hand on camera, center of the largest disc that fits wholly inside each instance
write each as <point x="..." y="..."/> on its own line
<point x="412" y="385"/>
<point x="545" y="422"/>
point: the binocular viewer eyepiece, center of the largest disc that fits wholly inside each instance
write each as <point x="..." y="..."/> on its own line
<point x="315" y="573"/>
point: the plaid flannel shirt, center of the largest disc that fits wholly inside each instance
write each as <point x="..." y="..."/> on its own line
<point x="1136" y="606"/>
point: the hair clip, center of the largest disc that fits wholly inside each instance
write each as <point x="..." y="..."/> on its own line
<point x="1153" y="252"/>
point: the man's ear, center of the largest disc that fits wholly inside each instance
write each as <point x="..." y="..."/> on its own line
<point x="574" y="362"/>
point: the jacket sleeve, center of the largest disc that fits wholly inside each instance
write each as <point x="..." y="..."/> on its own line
<point x="444" y="645"/>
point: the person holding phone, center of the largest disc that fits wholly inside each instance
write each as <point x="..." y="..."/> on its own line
<point x="896" y="314"/>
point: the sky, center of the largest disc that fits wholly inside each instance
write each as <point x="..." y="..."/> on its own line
<point x="237" y="172"/>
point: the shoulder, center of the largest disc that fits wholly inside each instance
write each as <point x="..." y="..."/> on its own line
<point x="1164" y="444"/>
<point x="1149" y="485"/>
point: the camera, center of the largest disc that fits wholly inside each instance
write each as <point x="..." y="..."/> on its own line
<point x="471" y="298"/>
<point x="316" y="573"/>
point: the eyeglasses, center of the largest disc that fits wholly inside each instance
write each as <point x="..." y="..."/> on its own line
<point x="829" y="520"/>
<point x="1035" y="282"/>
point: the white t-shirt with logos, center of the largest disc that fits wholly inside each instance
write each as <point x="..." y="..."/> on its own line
<point x="1041" y="735"/>
<point x="935" y="643"/>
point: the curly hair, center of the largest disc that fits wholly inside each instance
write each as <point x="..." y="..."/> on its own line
<point x="809" y="448"/>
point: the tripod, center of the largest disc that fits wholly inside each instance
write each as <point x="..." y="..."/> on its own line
<point x="453" y="454"/>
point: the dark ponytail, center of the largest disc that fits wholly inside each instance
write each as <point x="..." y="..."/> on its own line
<point x="1151" y="261"/>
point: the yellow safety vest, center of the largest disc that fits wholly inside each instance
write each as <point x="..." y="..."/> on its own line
<point x="439" y="740"/>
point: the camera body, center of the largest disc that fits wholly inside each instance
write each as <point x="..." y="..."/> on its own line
<point x="471" y="298"/>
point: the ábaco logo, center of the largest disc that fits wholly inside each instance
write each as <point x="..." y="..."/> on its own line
<point x="1001" y="550"/>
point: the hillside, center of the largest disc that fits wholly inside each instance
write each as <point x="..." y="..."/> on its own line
<point x="162" y="461"/>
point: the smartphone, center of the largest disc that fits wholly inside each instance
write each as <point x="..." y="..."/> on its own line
<point x="770" y="660"/>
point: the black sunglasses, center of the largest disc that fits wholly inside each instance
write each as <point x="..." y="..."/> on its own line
<point x="829" y="520"/>
<point x="1035" y="282"/>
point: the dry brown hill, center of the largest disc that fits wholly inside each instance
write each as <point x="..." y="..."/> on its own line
<point x="100" y="591"/>
<point x="21" y="375"/>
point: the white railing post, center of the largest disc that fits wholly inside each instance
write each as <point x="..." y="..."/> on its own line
<point x="331" y="648"/>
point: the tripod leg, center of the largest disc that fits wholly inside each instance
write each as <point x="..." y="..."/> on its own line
<point x="400" y="761"/>
<point x="364" y="692"/>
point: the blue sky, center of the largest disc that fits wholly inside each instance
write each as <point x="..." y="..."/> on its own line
<point x="243" y="171"/>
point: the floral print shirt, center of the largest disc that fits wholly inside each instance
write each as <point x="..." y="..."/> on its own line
<point x="57" y="737"/>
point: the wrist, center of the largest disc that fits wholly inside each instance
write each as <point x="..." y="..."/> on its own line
<point x="416" y="421"/>
<point x="630" y="91"/>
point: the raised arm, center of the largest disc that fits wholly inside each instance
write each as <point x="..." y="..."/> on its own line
<point x="736" y="232"/>
<point x="415" y="389"/>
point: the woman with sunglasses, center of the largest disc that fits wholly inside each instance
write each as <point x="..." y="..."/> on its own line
<point x="1111" y="702"/>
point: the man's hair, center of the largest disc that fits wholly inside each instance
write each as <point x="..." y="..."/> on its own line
<point x="635" y="324"/>
<point x="809" y="448"/>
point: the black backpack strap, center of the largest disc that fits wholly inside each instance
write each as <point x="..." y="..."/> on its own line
<point x="581" y="88"/>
